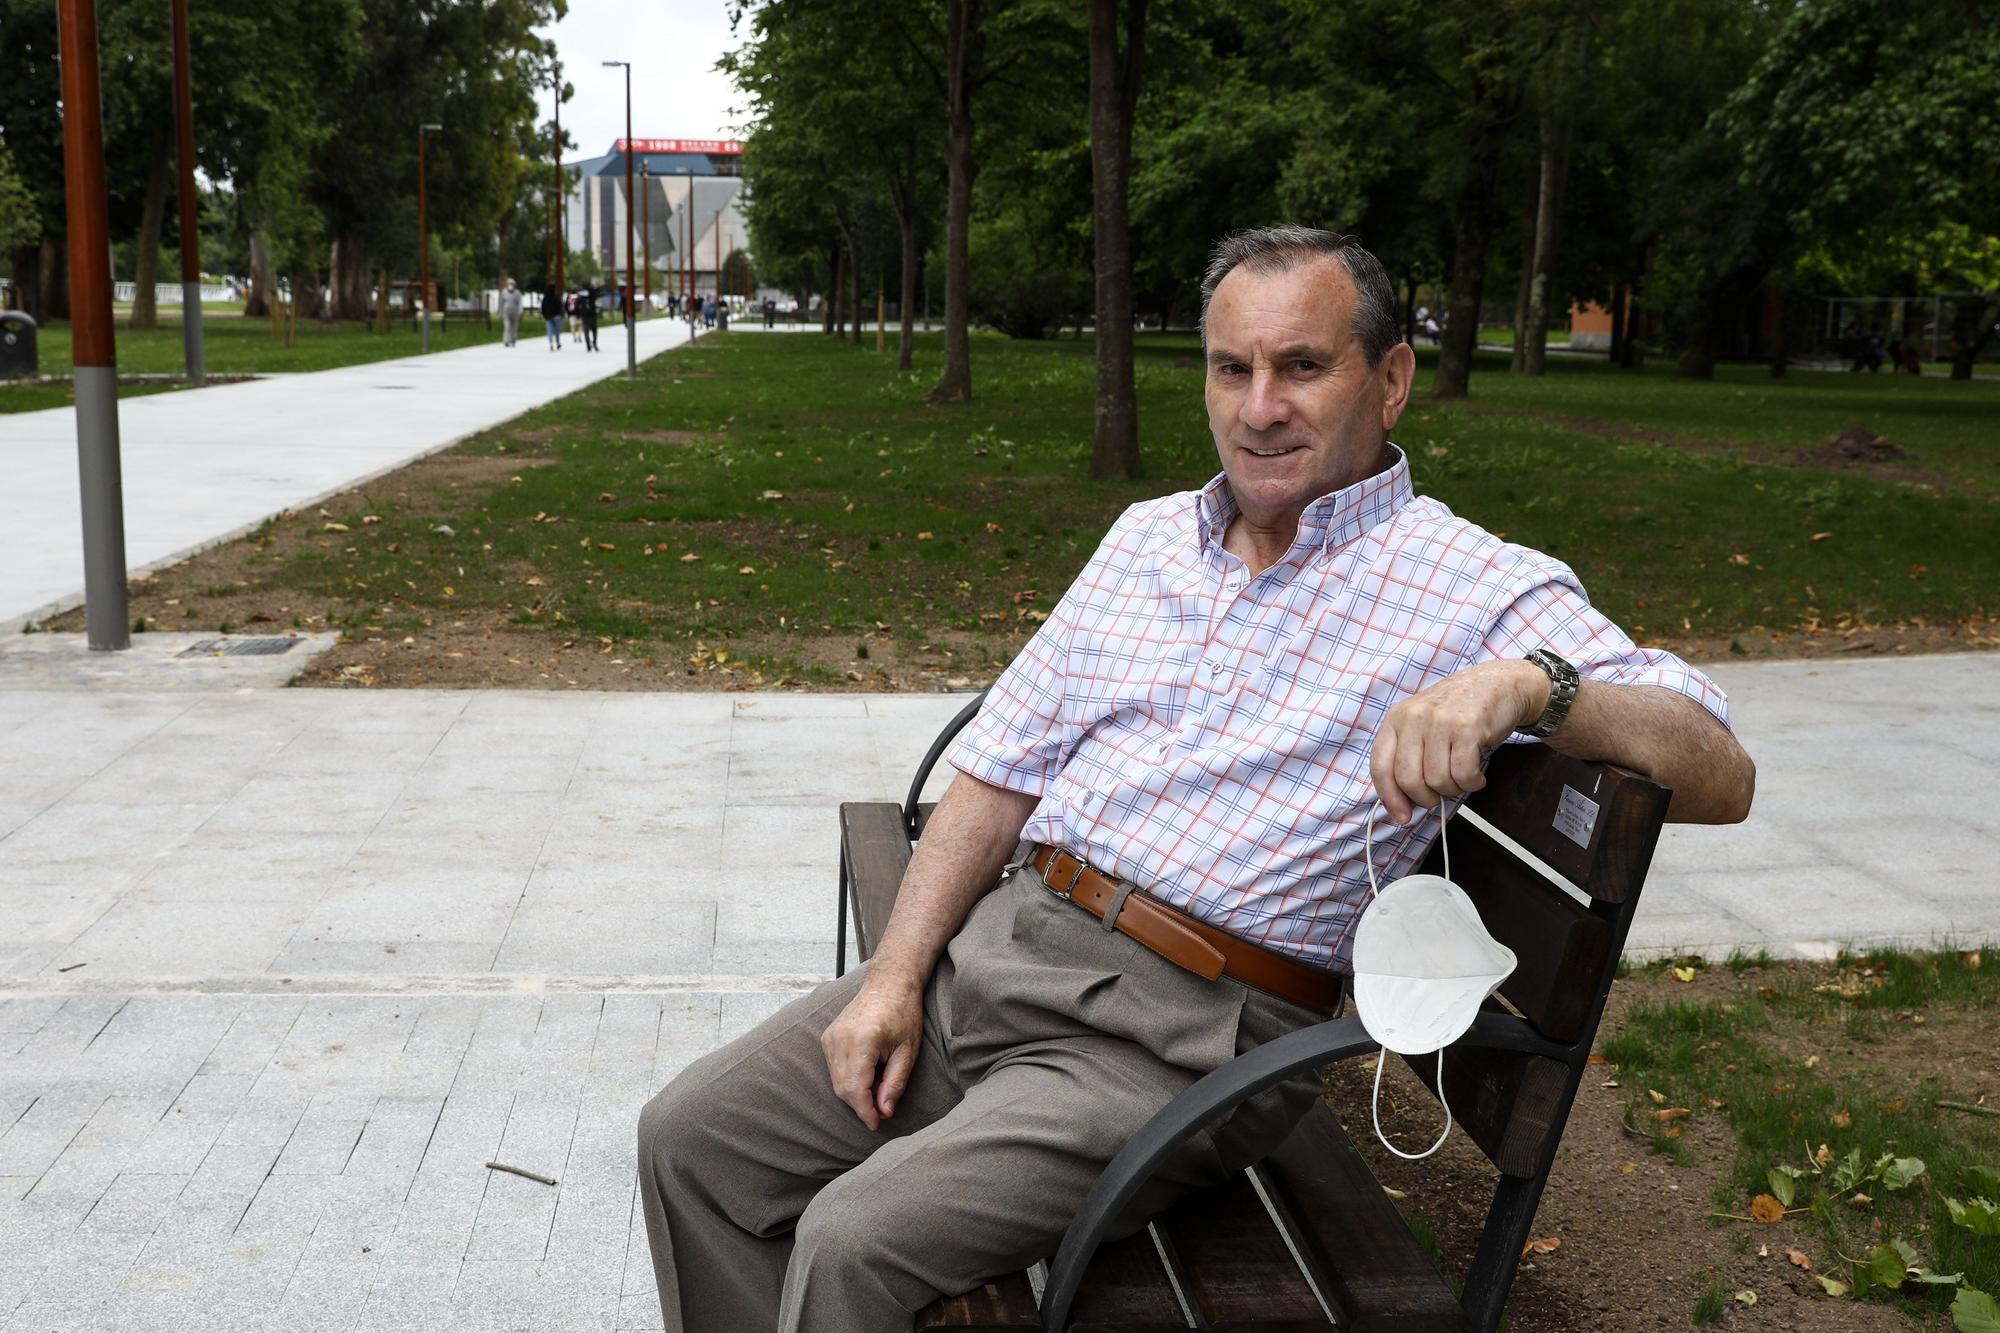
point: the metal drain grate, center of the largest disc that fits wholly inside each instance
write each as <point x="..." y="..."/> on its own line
<point x="260" y="647"/>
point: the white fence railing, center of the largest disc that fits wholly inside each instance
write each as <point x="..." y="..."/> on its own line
<point x="169" y="293"/>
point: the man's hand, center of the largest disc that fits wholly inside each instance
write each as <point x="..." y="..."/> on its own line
<point x="1431" y="744"/>
<point x="872" y="1047"/>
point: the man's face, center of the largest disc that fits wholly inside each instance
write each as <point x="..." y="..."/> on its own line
<point x="1295" y="408"/>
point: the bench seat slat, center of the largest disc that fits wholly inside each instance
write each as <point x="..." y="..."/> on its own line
<point x="1240" y="1273"/>
<point x="1362" y="1252"/>
<point x="875" y="851"/>
<point x="1003" y="1302"/>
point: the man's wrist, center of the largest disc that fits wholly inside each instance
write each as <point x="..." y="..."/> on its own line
<point x="1533" y="688"/>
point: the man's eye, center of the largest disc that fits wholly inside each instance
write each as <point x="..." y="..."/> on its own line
<point x="1305" y="365"/>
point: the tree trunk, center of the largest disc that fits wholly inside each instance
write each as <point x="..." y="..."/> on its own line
<point x="961" y="38"/>
<point x="1517" y="358"/>
<point x="1472" y="234"/>
<point x="1548" y="225"/>
<point x="1971" y="331"/>
<point x="349" y="279"/>
<point x="53" y="281"/>
<point x="1697" y="358"/>
<point x="853" y="293"/>
<point x="1781" y="351"/>
<point x="1410" y="309"/>
<point x="831" y="320"/>
<point x="146" y="265"/>
<point x="1621" y="331"/>
<point x="305" y="295"/>
<point x="258" y="302"/>
<point x="1114" y="89"/>
<point x="906" y="341"/>
<point x="24" y="291"/>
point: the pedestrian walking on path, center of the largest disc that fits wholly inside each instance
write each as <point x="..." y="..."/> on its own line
<point x="510" y="312"/>
<point x="552" y="317"/>
<point x="586" y="311"/>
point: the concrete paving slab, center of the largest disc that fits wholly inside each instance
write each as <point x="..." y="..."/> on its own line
<point x="173" y="660"/>
<point x="199" y="466"/>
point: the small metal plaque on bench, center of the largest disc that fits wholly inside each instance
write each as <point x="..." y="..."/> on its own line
<point x="266" y="646"/>
<point x="1576" y="816"/>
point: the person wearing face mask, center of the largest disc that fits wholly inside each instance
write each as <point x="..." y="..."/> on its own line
<point x="1154" y="854"/>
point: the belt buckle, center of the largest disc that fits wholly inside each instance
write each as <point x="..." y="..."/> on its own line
<point x="1050" y="875"/>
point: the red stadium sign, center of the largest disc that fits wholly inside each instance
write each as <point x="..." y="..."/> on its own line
<point x="728" y="147"/>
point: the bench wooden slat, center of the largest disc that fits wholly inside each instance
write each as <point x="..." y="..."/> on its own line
<point x="1524" y="797"/>
<point x="1560" y="946"/>
<point x="1362" y="1253"/>
<point x="875" y="851"/>
<point x="1127" y="1291"/>
<point x="1240" y="1273"/>
<point x="1506" y="1102"/>
<point x="1004" y="1302"/>
<point x="1127" y="1288"/>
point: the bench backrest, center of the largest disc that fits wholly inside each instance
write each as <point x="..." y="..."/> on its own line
<point x="1553" y="852"/>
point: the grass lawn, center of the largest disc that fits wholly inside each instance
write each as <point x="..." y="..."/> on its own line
<point x="1846" y="1091"/>
<point x="786" y="507"/>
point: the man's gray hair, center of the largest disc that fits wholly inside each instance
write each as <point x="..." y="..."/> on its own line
<point x="1278" y="249"/>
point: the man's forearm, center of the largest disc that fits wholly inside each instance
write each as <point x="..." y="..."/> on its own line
<point x="973" y="831"/>
<point x="1665" y="735"/>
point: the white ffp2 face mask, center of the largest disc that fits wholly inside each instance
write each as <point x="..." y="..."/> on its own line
<point x="1423" y="964"/>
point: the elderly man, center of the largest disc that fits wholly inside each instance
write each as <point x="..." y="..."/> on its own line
<point x="1205" y="721"/>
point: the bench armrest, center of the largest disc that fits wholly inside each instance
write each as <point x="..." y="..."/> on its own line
<point x="1215" y="1096"/>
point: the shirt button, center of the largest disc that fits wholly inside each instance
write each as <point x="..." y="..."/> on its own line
<point x="1214" y="667"/>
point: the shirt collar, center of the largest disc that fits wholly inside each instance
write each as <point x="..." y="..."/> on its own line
<point x="1328" y="523"/>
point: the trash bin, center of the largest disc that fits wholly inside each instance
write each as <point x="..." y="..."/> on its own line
<point x="18" y="355"/>
<point x="721" y="318"/>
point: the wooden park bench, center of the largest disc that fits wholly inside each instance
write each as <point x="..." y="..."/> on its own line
<point x="1307" y="1239"/>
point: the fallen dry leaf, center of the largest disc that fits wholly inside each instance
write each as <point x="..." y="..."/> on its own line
<point x="1764" y="1208"/>
<point x="333" y="527"/>
<point x="747" y="569"/>
<point x="925" y="536"/>
<point x="1739" y="559"/>
<point x="1745" y="1297"/>
<point x="1628" y="1168"/>
<point x="1683" y="974"/>
<point x="1545" y="1245"/>
<point x="1672" y="1113"/>
<point x="1842" y="1119"/>
<point x="1822" y="536"/>
<point x="1971" y="958"/>
<point x="1799" y="1258"/>
<point x="1812" y="1062"/>
<point x="1659" y="1098"/>
<point x="1713" y="1103"/>
<point x="1824" y="1157"/>
<point x="1832" y="1286"/>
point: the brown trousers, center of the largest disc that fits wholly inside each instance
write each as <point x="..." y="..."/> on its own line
<point x="1048" y="1042"/>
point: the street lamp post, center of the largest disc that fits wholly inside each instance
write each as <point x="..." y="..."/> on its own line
<point x="646" y="224"/>
<point x="631" y="321"/>
<point x="93" y="347"/>
<point x="424" y="236"/>
<point x="560" y="241"/>
<point x="191" y="312"/>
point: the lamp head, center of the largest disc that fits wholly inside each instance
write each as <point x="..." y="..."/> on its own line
<point x="422" y="128"/>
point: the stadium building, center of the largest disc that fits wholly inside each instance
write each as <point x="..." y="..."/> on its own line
<point x="689" y="195"/>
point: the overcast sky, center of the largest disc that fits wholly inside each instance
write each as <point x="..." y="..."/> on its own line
<point x="673" y="46"/>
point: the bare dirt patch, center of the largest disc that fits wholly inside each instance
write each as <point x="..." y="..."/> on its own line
<point x="666" y="436"/>
<point x="476" y="655"/>
<point x="1848" y="451"/>
<point x="1638" y="1247"/>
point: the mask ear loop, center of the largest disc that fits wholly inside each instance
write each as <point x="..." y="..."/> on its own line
<point x="1382" y="1056"/>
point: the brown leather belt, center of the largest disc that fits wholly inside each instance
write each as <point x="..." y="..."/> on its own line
<point x="1182" y="939"/>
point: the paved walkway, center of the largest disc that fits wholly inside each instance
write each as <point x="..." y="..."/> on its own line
<point x="284" y="969"/>
<point x="206" y="464"/>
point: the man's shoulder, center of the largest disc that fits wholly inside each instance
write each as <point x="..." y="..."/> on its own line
<point x="1427" y="530"/>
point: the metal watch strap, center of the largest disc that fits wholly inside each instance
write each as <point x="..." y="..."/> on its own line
<point x="1563" y="681"/>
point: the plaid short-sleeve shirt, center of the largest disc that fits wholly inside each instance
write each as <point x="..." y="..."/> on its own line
<point x="1205" y="733"/>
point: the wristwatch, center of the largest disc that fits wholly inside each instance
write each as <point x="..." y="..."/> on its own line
<point x="1562" y="694"/>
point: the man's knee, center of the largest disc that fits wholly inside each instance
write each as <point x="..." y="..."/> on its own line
<point x="681" y="1128"/>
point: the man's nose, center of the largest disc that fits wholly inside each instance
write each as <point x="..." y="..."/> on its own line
<point x="1265" y="405"/>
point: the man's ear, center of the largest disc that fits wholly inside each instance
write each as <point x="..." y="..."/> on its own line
<point x="1399" y="373"/>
